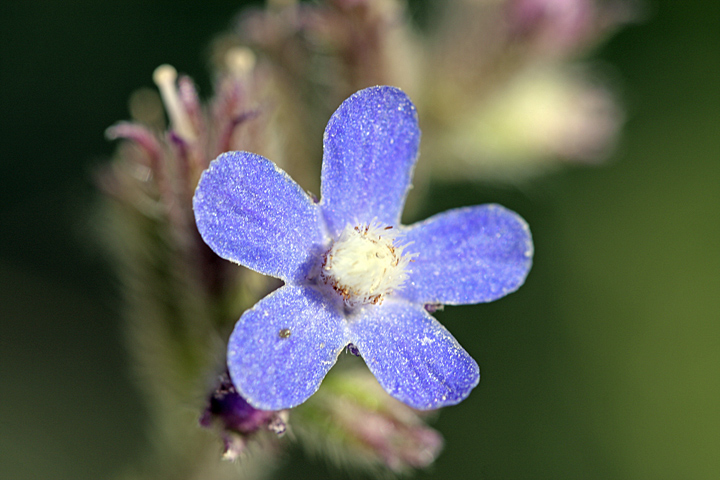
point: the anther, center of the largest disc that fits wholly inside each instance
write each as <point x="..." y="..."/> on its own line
<point x="165" y="77"/>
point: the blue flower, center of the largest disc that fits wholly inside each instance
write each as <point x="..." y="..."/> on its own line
<point x="353" y="274"/>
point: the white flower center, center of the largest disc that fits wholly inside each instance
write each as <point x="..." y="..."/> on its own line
<point x="365" y="263"/>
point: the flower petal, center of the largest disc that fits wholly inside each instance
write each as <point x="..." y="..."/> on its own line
<point x="468" y="255"/>
<point x="283" y="347"/>
<point x="413" y="356"/>
<point x="370" y="147"/>
<point x="251" y="212"/>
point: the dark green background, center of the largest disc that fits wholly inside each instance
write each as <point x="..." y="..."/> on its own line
<point x="606" y="364"/>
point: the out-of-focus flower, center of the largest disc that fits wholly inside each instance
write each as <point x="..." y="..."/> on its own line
<point x="560" y="28"/>
<point x="352" y="272"/>
<point x="355" y="423"/>
<point x="508" y="97"/>
<point x="338" y="46"/>
<point x="474" y="57"/>
<point x="542" y="116"/>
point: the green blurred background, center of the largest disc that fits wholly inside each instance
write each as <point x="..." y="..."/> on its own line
<point x="605" y="365"/>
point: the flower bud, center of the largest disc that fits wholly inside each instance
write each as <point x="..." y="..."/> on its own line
<point x="237" y="419"/>
<point x="354" y="422"/>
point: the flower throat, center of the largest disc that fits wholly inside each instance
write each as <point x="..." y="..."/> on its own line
<point x="365" y="264"/>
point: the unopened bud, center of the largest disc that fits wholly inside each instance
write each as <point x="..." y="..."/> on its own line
<point x="237" y="419"/>
<point x="360" y="425"/>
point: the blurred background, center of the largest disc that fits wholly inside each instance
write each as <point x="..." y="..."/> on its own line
<point x="606" y="364"/>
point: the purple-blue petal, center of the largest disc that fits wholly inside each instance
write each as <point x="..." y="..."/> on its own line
<point x="412" y="355"/>
<point x="468" y="255"/>
<point x="252" y="213"/>
<point x="283" y="347"/>
<point x="370" y="148"/>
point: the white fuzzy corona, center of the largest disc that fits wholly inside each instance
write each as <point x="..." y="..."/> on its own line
<point x="365" y="264"/>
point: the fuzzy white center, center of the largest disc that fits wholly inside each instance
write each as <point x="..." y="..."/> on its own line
<point x="365" y="263"/>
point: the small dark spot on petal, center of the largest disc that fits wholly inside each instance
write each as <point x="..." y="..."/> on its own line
<point x="284" y="333"/>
